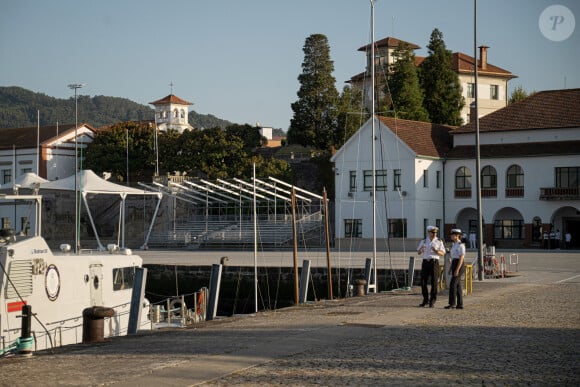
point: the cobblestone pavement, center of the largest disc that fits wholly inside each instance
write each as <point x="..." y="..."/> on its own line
<point x="527" y="335"/>
<point x="512" y="332"/>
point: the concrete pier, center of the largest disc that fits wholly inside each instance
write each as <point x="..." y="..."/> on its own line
<point x="522" y="330"/>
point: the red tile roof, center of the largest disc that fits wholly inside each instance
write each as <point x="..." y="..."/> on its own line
<point x="517" y="150"/>
<point x="543" y="110"/>
<point x="463" y="63"/>
<point x="27" y="137"/>
<point x="424" y="138"/>
<point x="171" y="99"/>
<point x="388" y="42"/>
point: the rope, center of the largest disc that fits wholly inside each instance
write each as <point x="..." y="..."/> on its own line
<point x="25" y="345"/>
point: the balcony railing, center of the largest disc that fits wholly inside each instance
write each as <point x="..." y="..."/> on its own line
<point x="514" y="192"/>
<point x="489" y="193"/>
<point x="554" y="193"/>
<point x="463" y="193"/>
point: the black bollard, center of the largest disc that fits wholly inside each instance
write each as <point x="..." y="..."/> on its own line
<point x="26" y="321"/>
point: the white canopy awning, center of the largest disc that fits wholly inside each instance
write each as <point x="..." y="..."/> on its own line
<point x="25" y="180"/>
<point x="89" y="183"/>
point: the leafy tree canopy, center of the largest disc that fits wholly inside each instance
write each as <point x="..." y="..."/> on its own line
<point x="211" y="153"/>
<point x="518" y="94"/>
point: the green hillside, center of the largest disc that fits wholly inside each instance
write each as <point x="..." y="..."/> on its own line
<point x="18" y="108"/>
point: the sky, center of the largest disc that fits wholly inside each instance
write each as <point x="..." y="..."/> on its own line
<point x="240" y="59"/>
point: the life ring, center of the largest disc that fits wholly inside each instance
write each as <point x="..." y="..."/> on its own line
<point x="176" y="306"/>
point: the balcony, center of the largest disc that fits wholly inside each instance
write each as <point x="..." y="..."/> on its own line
<point x="489" y="193"/>
<point x="463" y="193"/>
<point x="554" y="193"/>
<point x="514" y="192"/>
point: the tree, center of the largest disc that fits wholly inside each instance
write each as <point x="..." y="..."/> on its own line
<point x="249" y="134"/>
<point x="315" y="111"/>
<point x="406" y="95"/>
<point x="108" y="151"/>
<point x="351" y="115"/>
<point x="442" y="90"/>
<point x="518" y="94"/>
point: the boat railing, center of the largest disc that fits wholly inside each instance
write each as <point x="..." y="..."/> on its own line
<point x="174" y="311"/>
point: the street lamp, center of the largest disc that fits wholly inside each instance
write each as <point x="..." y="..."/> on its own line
<point x="76" y="86"/>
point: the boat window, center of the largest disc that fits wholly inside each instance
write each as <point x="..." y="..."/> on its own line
<point x="123" y="278"/>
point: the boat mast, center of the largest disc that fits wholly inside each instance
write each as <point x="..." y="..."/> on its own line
<point x="374" y="200"/>
<point x="477" y="154"/>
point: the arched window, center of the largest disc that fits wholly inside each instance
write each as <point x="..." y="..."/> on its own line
<point x="463" y="178"/>
<point x="182" y="113"/>
<point x="514" y="182"/>
<point x="176" y="113"/>
<point x="515" y="177"/>
<point x="463" y="183"/>
<point x="488" y="177"/>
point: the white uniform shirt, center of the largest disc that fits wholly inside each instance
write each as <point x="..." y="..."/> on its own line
<point x="457" y="250"/>
<point x="428" y="244"/>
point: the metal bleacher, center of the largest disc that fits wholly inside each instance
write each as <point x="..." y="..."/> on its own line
<point x="204" y="230"/>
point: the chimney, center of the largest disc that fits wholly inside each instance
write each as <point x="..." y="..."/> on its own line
<point x="472" y="111"/>
<point x="483" y="57"/>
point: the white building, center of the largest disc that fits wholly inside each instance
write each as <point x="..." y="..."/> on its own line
<point x="530" y="167"/>
<point x="492" y="83"/>
<point x="530" y="171"/>
<point x="409" y="160"/>
<point x="48" y="151"/>
<point x="172" y="112"/>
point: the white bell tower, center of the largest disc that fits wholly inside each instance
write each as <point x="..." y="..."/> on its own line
<point x="172" y="112"/>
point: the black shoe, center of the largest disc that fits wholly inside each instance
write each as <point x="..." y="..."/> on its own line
<point x="423" y="304"/>
<point x="431" y="304"/>
<point x="459" y="307"/>
<point x="451" y="307"/>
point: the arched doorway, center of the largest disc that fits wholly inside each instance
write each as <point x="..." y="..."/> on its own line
<point x="567" y="219"/>
<point x="508" y="228"/>
<point x="537" y="232"/>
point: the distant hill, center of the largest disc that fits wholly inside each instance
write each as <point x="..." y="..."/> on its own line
<point x="18" y="108"/>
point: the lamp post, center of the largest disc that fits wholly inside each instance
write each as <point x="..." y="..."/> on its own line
<point x="76" y="86"/>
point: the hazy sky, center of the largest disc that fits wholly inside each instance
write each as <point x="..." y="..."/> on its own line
<point x="240" y="59"/>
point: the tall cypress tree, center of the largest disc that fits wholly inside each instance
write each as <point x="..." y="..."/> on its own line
<point x="406" y="95"/>
<point x="443" y="100"/>
<point x="315" y="111"/>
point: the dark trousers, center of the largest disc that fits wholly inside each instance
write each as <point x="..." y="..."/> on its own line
<point x="429" y="270"/>
<point x="455" y="289"/>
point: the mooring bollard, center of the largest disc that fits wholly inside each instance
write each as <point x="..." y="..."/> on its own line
<point x="360" y="287"/>
<point x="94" y="323"/>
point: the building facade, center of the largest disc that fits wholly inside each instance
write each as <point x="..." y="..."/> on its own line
<point x="492" y="89"/>
<point x="425" y="174"/>
<point x="530" y="172"/>
<point x="409" y="164"/>
<point x="47" y="152"/>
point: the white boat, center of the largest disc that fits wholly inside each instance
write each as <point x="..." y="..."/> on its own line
<point x="58" y="286"/>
